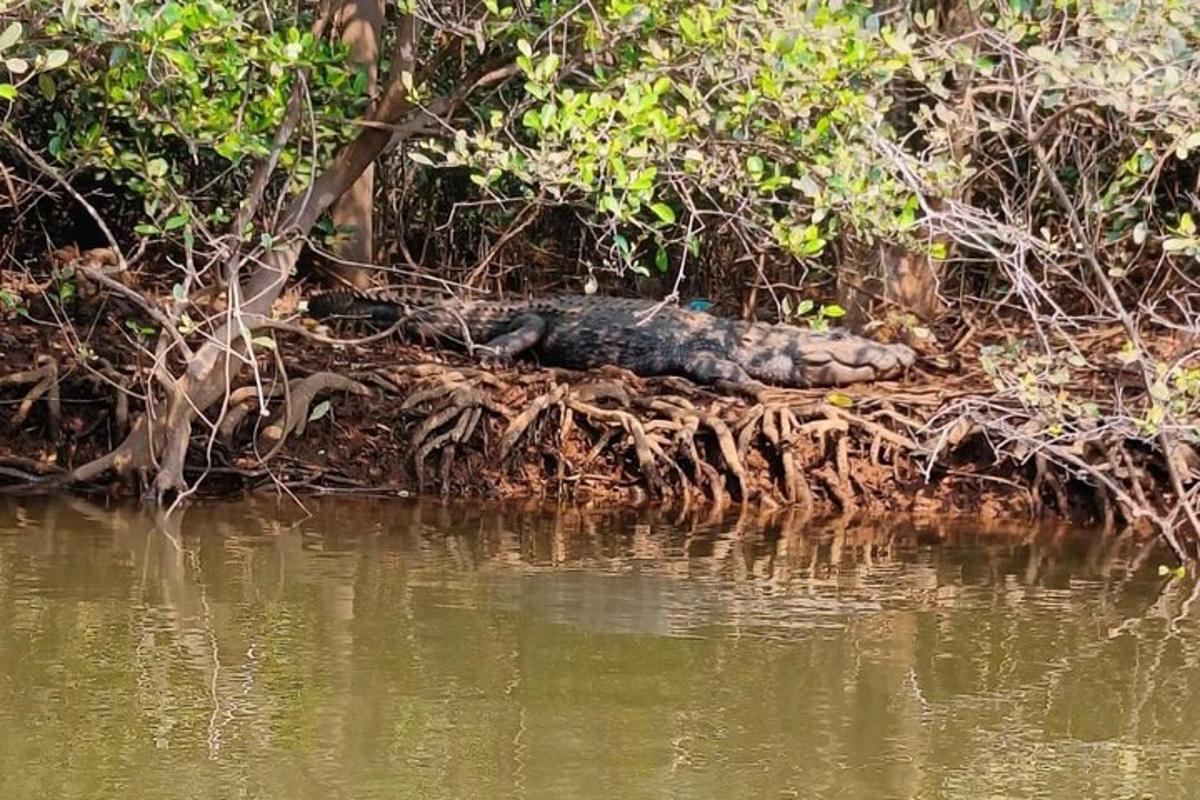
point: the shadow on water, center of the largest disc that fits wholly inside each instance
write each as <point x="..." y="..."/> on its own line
<point x="381" y="649"/>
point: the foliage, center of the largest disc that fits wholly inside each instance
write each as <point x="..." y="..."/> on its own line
<point x="676" y="116"/>
<point x="1111" y="92"/>
<point x="25" y="62"/>
<point x="175" y="101"/>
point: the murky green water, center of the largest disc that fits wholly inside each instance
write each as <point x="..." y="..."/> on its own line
<point x="383" y="650"/>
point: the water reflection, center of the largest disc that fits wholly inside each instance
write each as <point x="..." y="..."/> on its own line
<point x="391" y="650"/>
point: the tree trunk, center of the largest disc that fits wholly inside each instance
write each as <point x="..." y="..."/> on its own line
<point x="159" y="442"/>
<point x="904" y="280"/>
<point x="361" y="25"/>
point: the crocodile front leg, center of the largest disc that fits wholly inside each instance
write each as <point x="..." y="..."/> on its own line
<point x="526" y="331"/>
<point x="709" y="368"/>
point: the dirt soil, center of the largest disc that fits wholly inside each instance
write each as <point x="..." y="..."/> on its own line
<point x="385" y="417"/>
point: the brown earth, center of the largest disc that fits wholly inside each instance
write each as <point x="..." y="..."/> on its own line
<point x="374" y="416"/>
<point x="383" y="417"/>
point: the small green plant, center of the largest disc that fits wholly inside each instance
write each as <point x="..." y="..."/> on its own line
<point x="1175" y="573"/>
<point x="818" y="317"/>
<point x="1041" y="383"/>
<point x="142" y="332"/>
<point x="774" y="111"/>
<point x="12" y="303"/>
<point x="25" y="63"/>
<point x="66" y="291"/>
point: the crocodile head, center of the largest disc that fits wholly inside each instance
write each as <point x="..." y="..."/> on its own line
<point x="792" y="357"/>
<point x="853" y="359"/>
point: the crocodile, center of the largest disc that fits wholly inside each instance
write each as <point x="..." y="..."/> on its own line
<point x="645" y="337"/>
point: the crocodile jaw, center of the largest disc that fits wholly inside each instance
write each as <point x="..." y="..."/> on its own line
<point x="788" y="356"/>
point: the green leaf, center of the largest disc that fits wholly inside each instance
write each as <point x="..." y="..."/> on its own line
<point x="1186" y="226"/>
<point x="661" y="261"/>
<point x="663" y="212"/>
<point x="11" y="35"/>
<point x="8" y="91"/>
<point x="833" y="311"/>
<point x="644" y="180"/>
<point x="176" y="222"/>
<point x="839" y="399"/>
<point x="319" y="410"/>
<point x="55" y="59"/>
<point x="688" y="26"/>
<point x="622" y="245"/>
<point x="145" y="228"/>
<point x="47" y="86"/>
<point x="1178" y="573"/>
<point x="755" y="165"/>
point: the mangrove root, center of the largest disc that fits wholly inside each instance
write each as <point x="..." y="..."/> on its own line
<point x="45" y="383"/>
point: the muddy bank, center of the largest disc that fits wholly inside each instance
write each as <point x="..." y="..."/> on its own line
<point x="379" y="416"/>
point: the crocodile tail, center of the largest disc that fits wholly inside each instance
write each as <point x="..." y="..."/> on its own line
<point x="352" y="304"/>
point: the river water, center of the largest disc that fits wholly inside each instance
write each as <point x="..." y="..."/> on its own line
<point x="367" y="649"/>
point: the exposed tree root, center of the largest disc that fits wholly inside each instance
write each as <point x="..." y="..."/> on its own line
<point x="456" y="404"/>
<point x="684" y="443"/>
<point x="298" y="394"/>
<point x="607" y="434"/>
<point x="45" y="383"/>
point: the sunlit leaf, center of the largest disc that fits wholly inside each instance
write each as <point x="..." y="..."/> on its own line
<point x="55" y="59"/>
<point x="664" y="212"/>
<point x="839" y="399"/>
<point x="319" y="410"/>
<point x="10" y="36"/>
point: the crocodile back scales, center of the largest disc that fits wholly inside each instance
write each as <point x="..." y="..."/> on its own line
<point x="646" y="337"/>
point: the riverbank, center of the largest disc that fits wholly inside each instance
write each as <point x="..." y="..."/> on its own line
<point x="373" y="415"/>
